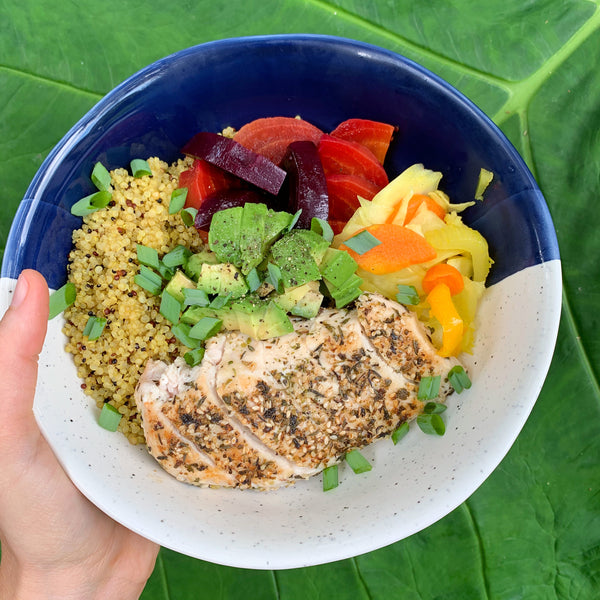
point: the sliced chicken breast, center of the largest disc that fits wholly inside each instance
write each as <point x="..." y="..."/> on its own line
<point x="263" y="413"/>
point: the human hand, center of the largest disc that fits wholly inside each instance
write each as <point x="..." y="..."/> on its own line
<point x="55" y="543"/>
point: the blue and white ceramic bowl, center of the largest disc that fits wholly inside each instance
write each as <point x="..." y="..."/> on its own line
<point x="413" y="484"/>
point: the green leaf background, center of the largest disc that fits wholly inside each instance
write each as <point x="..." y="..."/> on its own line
<point x="532" y="530"/>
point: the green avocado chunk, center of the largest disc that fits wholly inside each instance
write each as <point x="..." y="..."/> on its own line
<point x="222" y="279"/>
<point x="337" y="266"/>
<point x="224" y="234"/>
<point x="177" y="283"/>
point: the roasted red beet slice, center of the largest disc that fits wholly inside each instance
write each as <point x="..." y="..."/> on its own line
<point x="204" y="179"/>
<point x="222" y="199"/>
<point x="234" y="158"/>
<point x="343" y="156"/>
<point x="374" y="135"/>
<point x="308" y="188"/>
<point x="344" y="191"/>
<point x="270" y="136"/>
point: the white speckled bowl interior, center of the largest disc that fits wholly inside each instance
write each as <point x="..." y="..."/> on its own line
<point x="412" y="484"/>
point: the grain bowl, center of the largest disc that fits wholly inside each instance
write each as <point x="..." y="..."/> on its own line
<point x="226" y="84"/>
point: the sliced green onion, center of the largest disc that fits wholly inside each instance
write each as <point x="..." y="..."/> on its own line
<point x="147" y="256"/>
<point x="362" y="242"/>
<point x="188" y="216"/>
<point x="194" y="357"/>
<point x="400" y="432"/>
<point x="182" y="332"/>
<point x="253" y="280"/>
<point x="459" y="379"/>
<point x="165" y="272"/>
<point x="194" y="297"/>
<point x="330" y="478"/>
<point x="94" y="327"/>
<point x="274" y="277"/>
<point x="101" y="177"/>
<point x="220" y="301"/>
<point x="170" y="307"/>
<point x="140" y="167"/>
<point x="178" y="256"/>
<point x="434" y="408"/>
<point x="429" y="387"/>
<point x="294" y="220"/>
<point x="407" y="294"/>
<point x="206" y="327"/>
<point x="109" y="417"/>
<point x="431" y="424"/>
<point x="149" y="280"/>
<point x="358" y="463"/>
<point x="177" y="202"/>
<point x="62" y="298"/>
<point x="322" y="227"/>
<point x="91" y="203"/>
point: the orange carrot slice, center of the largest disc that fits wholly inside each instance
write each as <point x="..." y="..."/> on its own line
<point x="400" y="247"/>
<point x="443" y="273"/>
<point x="413" y="206"/>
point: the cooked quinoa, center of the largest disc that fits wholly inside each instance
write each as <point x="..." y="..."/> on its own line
<point x="102" y="265"/>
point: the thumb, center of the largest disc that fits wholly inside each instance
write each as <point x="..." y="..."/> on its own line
<point x="22" y="333"/>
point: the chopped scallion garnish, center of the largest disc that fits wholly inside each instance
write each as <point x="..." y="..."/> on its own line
<point x="62" y="298"/>
<point x="429" y="387"/>
<point x="358" y="463"/>
<point x="182" y="332"/>
<point x="94" y="327"/>
<point x="434" y="408"/>
<point x="431" y="424"/>
<point x="109" y="417"/>
<point x="195" y="297"/>
<point x="147" y="256"/>
<point x="362" y="242"/>
<point x="294" y="220"/>
<point x="330" y="478"/>
<point x="149" y="280"/>
<point x="459" y="379"/>
<point x="400" y="432"/>
<point x="253" y="280"/>
<point x="91" y="203"/>
<point x="206" y="327"/>
<point x="407" y="294"/>
<point x="140" y="167"/>
<point x="322" y="227"/>
<point x="274" y="277"/>
<point x="177" y="257"/>
<point x="194" y="357"/>
<point x="220" y="301"/>
<point x="177" y="202"/>
<point x="101" y="177"/>
<point x="188" y="216"/>
<point x="170" y="307"/>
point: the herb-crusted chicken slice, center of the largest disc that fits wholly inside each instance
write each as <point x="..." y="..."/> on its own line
<point x="268" y="412"/>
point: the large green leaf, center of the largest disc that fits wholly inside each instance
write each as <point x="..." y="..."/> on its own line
<point x="532" y="530"/>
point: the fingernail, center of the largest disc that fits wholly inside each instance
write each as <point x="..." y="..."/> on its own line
<point x="20" y="291"/>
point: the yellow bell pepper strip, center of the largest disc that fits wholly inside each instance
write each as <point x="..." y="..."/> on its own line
<point x="443" y="309"/>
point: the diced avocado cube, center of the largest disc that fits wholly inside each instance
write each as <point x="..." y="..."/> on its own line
<point x="224" y="234"/>
<point x="293" y="257"/>
<point x="252" y="236"/>
<point x="177" y="283"/>
<point x="337" y="266"/>
<point x="348" y="292"/>
<point x="302" y="301"/>
<point x="317" y="244"/>
<point x="195" y="262"/>
<point x="308" y="306"/>
<point x="223" y="279"/>
<point x="275" y="322"/>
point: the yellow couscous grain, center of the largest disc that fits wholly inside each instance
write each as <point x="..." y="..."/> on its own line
<point x="102" y="265"/>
